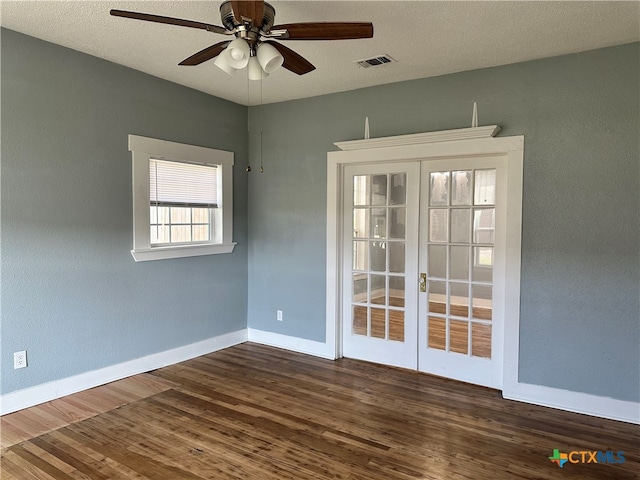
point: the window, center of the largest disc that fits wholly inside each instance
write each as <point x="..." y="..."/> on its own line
<point x="182" y="200"/>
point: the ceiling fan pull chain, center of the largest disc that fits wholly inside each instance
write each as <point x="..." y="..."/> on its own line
<point x="261" y="167"/>
<point x="248" y="169"/>
<point x="261" y="107"/>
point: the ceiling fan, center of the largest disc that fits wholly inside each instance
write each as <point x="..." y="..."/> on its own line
<point x="252" y="24"/>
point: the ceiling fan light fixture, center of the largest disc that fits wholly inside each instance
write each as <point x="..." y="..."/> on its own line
<point x="237" y="53"/>
<point x="222" y="64"/>
<point x="269" y="58"/>
<point x="255" y="71"/>
<point x="248" y="23"/>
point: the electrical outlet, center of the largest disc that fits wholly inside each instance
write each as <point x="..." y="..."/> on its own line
<point x="279" y="315"/>
<point x="20" y="359"/>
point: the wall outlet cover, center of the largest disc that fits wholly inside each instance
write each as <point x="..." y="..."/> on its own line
<point x="20" y="359"/>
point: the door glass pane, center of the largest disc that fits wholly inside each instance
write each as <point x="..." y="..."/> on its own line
<point x="438" y="297"/>
<point x="378" y="323"/>
<point x="482" y="301"/>
<point x="458" y="336"/>
<point x="398" y="189"/>
<point x="438" y="225"/>
<point x="360" y="190"/>
<point x="485" y="187"/>
<point x="378" y="289"/>
<point x="482" y="264"/>
<point x="484" y="225"/>
<point x="459" y="299"/>
<point x="360" y="287"/>
<point x="378" y="223"/>
<point x="439" y="189"/>
<point x="396" y="325"/>
<point x="360" y="222"/>
<point x="378" y="189"/>
<point x="379" y="212"/>
<point x="378" y="256"/>
<point x="360" y="255"/>
<point x="481" y="340"/>
<point x="437" y="266"/>
<point x="460" y="259"/>
<point x="437" y="333"/>
<point x="460" y="225"/>
<point x="397" y="219"/>
<point x="461" y="188"/>
<point x="396" y="257"/>
<point x="459" y="263"/>
<point x="359" y="320"/>
<point x="396" y="291"/>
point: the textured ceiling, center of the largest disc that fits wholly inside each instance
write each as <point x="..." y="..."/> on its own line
<point x="426" y="38"/>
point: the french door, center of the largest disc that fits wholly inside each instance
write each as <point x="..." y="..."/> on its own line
<point x="461" y="257"/>
<point x="423" y="261"/>
<point x="380" y="302"/>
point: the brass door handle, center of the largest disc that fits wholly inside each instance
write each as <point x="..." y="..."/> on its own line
<point x="423" y="282"/>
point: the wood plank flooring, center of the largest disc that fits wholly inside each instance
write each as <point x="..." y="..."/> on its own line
<point x="32" y="422"/>
<point x="255" y="412"/>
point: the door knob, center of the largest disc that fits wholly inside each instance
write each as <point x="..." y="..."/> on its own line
<point x="423" y="282"/>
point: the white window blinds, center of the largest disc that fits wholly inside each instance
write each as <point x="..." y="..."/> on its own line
<point x="183" y="184"/>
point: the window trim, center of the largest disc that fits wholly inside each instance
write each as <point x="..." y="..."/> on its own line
<point x="144" y="148"/>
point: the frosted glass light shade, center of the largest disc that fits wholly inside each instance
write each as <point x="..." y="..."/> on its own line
<point x="222" y="64"/>
<point x="237" y="53"/>
<point x="269" y="58"/>
<point x="255" y="71"/>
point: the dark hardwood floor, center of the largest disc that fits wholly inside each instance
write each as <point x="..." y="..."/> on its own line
<point x="255" y="412"/>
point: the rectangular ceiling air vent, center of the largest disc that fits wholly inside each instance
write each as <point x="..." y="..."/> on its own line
<point x="375" y="61"/>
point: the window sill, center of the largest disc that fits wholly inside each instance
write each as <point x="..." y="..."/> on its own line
<point x="180" y="251"/>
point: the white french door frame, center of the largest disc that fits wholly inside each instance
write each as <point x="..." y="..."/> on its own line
<point x="450" y="144"/>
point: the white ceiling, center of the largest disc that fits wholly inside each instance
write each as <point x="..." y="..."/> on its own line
<point x="427" y="38"/>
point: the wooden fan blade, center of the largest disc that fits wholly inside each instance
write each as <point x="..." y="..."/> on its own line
<point x="248" y="10"/>
<point x="292" y="61"/>
<point x="169" y="20"/>
<point x="325" y="30"/>
<point x="205" y="54"/>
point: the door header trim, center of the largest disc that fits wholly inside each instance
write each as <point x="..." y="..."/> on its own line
<point x="488" y="131"/>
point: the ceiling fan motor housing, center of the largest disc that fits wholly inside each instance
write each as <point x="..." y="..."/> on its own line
<point x="231" y="23"/>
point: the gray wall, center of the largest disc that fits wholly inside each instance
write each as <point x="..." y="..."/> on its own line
<point x="73" y="297"/>
<point x="580" y="322"/>
<point x="71" y="293"/>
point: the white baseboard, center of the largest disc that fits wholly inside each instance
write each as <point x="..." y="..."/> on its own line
<point x="300" y="345"/>
<point x="594" y="405"/>
<point x="45" y="392"/>
<point x="584" y="403"/>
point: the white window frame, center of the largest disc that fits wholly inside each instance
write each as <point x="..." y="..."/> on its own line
<point x="144" y="148"/>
